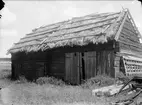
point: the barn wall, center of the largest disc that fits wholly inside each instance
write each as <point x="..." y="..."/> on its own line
<point x="33" y="65"/>
<point x="105" y="63"/>
<point x="98" y="60"/>
<point x="57" y="65"/>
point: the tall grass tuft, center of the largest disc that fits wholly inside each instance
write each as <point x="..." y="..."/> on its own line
<point x="50" y="80"/>
<point x="98" y="81"/>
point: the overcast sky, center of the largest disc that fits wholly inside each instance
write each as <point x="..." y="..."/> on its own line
<point x="20" y="17"/>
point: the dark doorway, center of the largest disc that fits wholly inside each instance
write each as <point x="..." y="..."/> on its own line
<point x="83" y="68"/>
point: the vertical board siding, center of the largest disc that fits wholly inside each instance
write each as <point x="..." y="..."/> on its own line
<point x="99" y="61"/>
<point x="90" y="64"/>
<point x="57" y="66"/>
<point x="117" y="65"/>
<point x="72" y="69"/>
<point x="105" y="63"/>
<point x="71" y="65"/>
<point x="112" y="70"/>
<point x="68" y="66"/>
<point x="76" y="67"/>
<point x="40" y="70"/>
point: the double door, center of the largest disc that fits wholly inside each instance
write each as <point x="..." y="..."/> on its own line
<point x="80" y="66"/>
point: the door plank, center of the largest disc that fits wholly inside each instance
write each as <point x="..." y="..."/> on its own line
<point x="90" y="64"/>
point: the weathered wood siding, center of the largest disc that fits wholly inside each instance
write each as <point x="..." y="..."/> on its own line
<point x="57" y="65"/>
<point x="128" y="44"/>
<point x="32" y="65"/>
<point x="128" y="39"/>
<point x="105" y="63"/>
<point x="72" y="64"/>
<point x="72" y="68"/>
<point x="84" y="65"/>
<point x="90" y="64"/>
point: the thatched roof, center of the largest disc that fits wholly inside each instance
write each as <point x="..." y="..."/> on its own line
<point x="94" y="28"/>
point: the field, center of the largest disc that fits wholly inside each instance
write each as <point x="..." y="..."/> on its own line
<point x="5" y="66"/>
<point x="48" y="91"/>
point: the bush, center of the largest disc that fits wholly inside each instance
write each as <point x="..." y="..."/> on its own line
<point x="98" y="81"/>
<point x="49" y="80"/>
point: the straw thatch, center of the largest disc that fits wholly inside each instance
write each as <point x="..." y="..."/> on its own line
<point x="94" y="28"/>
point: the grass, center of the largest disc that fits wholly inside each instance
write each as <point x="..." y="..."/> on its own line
<point x="47" y="94"/>
<point x="50" y="91"/>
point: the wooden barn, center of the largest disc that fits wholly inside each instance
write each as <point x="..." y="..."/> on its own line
<point x="80" y="48"/>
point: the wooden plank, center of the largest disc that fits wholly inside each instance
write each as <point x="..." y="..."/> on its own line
<point x="129" y="35"/>
<point x="68" y="66"/>
<point x="129" y="47"/>
<point x="129" y="26"/>
<point x="104" y="62"/>
<point x="81" y="67"/>
<point x="72" y="72"/>
<point x="126" y="40"/>
<point x="90" y="64"/>
<point x="130" y="44"/>
<point x="112" y="64"/>
<point x="98" y="71"/>
<point x="127" y="52"/>
<point x="75" y="70"/>
<point x="117" y="70"/>
<point x="120" y="28"/>
<point x="129" y="32"/>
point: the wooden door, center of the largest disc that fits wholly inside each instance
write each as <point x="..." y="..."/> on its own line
<point x="72" y="68"/>
<point x="90" y="64"/>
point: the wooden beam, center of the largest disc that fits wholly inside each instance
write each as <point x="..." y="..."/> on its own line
<point x="134" y="24"/>
<point x="121" y="26"/>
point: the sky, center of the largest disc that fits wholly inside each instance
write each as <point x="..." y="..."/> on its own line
<point x="21" y="17"/>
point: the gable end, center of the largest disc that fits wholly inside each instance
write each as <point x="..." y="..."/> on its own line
<point x="129" y="38"/>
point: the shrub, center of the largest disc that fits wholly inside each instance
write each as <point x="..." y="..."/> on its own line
<point x="98" y="81"/>
<point x="49" y="80"/>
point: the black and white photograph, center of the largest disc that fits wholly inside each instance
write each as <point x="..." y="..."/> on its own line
<point x="70" y="52"/>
